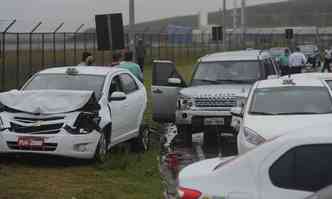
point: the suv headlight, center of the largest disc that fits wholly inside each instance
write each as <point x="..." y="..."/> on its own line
<point x="241" y="101"/>
<point x="184" y="103"/>
<point x="252" y="137"/>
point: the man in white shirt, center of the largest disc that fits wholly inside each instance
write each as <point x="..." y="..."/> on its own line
<point x="297" y="60"/>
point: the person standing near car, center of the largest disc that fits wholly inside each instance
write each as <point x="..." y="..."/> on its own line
<point x="297" y="61"/>
<point x="284" y="62"/>
<point x="131" y="66"/>
<point x="327" y="60"/>
<point x="140" y="54"/>
<point x="87" y="59"/>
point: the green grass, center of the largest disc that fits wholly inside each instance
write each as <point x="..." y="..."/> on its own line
<point x="124" y="176"/>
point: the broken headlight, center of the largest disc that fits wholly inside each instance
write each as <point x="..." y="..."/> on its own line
<point x="84" y="124"/>
<point x="184" y="103"/>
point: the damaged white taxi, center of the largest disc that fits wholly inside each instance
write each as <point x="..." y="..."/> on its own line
<point x="78" y="112"/>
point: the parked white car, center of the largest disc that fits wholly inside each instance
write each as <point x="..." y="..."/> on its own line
<point x="291" y="166"/>
<point x="218" y="82"/>
<point x="280" y="105"/>
<point x="77" y="112"/>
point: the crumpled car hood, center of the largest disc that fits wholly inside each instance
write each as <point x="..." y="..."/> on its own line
<point x="46" y="101"/>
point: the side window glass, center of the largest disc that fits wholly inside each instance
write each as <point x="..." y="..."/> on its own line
<point x="128" y="83"/>
<point x="163" y="71"/>
<point x="115" y="86"/>
<point x="305" y="168"/>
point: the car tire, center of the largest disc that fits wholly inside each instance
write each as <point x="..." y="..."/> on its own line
<point x="102" y="152"/>
<point x="185" y="135"/>
<point x="142" y="142"/>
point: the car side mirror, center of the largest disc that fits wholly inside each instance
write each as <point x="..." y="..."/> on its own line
<point x="174" y="81"/>
<point x="272" y="77"/>
<point x="118" y="96"/>
<point x="237" y="112"/>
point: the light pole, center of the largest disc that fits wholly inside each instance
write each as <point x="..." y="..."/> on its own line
<point x="131" y="27"/>
<point x="243" y="19"/>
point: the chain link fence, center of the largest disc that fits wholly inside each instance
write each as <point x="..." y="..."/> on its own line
<point x="23" y="54"/>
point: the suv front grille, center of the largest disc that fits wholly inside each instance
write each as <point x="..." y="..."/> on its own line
<point x="215" y="102"/>
<point x="42" y="129"/>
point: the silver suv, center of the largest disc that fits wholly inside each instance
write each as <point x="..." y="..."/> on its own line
<point x="220" y="81"/>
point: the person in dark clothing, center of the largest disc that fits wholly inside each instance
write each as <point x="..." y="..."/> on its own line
<point x="87" y="59"/>
<point x="327" y="60"/>
<point x="140" y="54"/>
<point x="116" y="58"/>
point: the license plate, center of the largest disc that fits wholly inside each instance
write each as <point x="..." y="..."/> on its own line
<point x="214" y="121"/>
<point x="30" y="141"/>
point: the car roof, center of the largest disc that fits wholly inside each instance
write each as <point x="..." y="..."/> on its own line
<point x="281" y="82"/>
<point x="321" y="76"/>
<point x="243" y="55"/>
<point x="85" y="70"/>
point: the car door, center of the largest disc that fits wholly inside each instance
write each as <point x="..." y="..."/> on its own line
<point x="298" y="172"/>
<point x="134" y="103"/>
<point x="164" y="95"/>
<point x="118" y="110"/>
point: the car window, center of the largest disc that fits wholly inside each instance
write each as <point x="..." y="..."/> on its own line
<point x="161" y="73"/>
<point x="115" y="85"/>
<point x="305" y="168"/>
<point x="227" y="72"/>
<point x="128" y="84"/>
<point x="291" y="101"/>
<point x="67" y="82"/>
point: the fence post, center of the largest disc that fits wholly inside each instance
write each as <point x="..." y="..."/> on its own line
<point x="64" y="49"/>
<point x="30" y="46"/>
<point x="4" y="53"/>
<point x="17" y="60"/>
<point x="43" y="50"/>
<point x="54" y="42"/>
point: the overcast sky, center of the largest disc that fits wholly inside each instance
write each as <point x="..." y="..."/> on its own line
<point x="76" y="12"/>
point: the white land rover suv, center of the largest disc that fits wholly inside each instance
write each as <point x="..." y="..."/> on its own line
<point x="219" y="82"/>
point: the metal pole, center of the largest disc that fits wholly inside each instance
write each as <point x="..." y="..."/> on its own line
<point x="30" y="45"/>
<point x="4" y="53"/>
<point x="224" y="24"/>
<point x="54" y="46"/>
<point x="132" y="41"/>
<point x="243" y="19"/>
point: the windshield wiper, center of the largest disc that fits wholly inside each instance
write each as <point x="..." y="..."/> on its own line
<point x="300" y="113"/>
<point x="206" y="80"/>
<point x="234" y="80"/>
<point x="260" y="113"/>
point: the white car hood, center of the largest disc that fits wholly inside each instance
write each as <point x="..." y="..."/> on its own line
<point x="219" y="90"/>
<point x="270" y="127"/>
<point x="45" y="101"/>
<point x="201" y="168"/>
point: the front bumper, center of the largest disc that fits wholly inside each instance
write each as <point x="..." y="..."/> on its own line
<point x="60" y="144"/>
<point x="195" y="118"/>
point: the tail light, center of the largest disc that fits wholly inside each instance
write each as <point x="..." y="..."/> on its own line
<point x="188" y="193"/>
